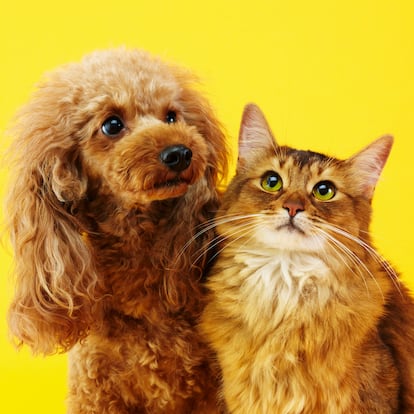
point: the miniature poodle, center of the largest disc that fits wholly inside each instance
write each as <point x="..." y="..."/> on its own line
<point x="117" y="162"/>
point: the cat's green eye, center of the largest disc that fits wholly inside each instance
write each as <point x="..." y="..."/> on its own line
<point x="324" y="191"/>
<point x="271" y="182"/>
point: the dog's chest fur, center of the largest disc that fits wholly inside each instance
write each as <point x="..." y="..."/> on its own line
<point x="147" y="350"/>
<point x="145" y="365"/>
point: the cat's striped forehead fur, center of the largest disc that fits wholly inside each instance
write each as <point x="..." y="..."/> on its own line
<point x="302" y="158"/>
<point x="259" y="152"/>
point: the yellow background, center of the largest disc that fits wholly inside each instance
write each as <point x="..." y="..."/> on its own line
<point x="330" y="75"/>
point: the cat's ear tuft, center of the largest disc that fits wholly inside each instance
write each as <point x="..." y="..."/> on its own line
<point x="255" y="136"/>
<point x="370" y="162"/>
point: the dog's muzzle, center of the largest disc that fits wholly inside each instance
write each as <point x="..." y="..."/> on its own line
<point x="177" y="157"/>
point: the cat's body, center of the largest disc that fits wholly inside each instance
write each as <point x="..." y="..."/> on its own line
<point x="304" y="316"/>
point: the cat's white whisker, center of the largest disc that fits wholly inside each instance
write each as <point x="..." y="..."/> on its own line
<point x="372" y="252"/>
<point x="209" y="225"/>
<point x="339" y="250"/>
<point x="355" y="259"/>
<point x="224" y="236"/>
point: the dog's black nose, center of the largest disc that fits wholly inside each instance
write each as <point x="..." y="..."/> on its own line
<point x="176" y="157"/>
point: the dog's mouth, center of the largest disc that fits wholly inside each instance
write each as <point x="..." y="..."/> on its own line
<point x="175" y="171"/>
<point x="177" y="181"/>
<point x="169" y="188"/>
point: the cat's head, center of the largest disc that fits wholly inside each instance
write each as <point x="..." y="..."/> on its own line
<point x="298" y="200"/>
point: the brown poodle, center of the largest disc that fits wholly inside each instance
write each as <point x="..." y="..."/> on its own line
<point x="117" y="161"/>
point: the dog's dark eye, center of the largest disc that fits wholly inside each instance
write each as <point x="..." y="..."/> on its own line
<point x="171" y="117"/>
<point x="112" y="126"/>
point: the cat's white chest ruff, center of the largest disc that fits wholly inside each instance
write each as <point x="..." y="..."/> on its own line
<point x="276" y="282"/>
<point x="279" y="290"/>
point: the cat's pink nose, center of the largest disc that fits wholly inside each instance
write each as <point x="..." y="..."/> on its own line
<point x="293" y="207"/>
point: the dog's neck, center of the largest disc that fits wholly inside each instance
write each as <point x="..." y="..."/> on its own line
<point x="151" y="259"/>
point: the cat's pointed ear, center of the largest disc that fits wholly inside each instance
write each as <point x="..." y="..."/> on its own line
<point x="255" y="137"/>
<point x="370" y="162"/>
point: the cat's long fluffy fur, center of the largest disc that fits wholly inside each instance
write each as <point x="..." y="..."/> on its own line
<point x="304" y="315"/>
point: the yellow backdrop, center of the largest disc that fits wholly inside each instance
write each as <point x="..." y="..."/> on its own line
<point x="331" y="76"/>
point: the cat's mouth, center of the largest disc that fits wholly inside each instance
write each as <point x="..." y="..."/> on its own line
<point x="291" y="226"/>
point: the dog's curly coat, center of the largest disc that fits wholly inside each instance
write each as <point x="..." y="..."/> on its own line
<point x="117" y="163"/>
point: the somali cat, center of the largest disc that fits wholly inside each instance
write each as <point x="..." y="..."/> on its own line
<point x="304" y="315"/>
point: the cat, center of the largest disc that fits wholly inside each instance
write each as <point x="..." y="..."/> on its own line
<point x="304" y="315"/>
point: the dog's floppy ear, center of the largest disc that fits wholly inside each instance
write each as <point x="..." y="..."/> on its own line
<point x="198" y="112"/>
<point x="56" y="282"/>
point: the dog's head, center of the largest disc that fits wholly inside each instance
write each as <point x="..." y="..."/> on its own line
<point x="124" y="119"/>
<point x="119" y="124"/>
